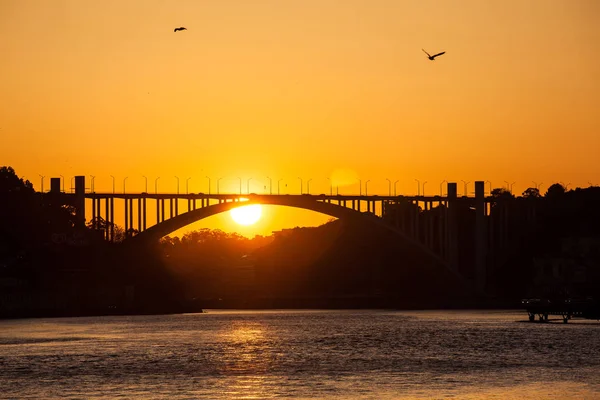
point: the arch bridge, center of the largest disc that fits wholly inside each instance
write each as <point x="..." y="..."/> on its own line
<point x="429" y="223"/>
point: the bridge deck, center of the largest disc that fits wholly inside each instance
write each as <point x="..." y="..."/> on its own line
<point x="235" y="197"/>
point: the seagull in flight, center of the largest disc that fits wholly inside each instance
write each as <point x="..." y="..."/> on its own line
<point x="181" y="28"/>
<point x="432" y="57"/>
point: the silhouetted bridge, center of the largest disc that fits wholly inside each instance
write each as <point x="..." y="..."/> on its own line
<point x="427" y="222"/>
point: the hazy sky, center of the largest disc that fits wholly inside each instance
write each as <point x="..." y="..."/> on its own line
<point x="288" y="89"/>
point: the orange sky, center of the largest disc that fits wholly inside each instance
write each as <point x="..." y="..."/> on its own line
<point x="300" y="88"/>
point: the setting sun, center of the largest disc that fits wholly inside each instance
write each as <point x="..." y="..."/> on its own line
<point x="247" y="215"/>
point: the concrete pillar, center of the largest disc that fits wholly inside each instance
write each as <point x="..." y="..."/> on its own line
<point x="54" y="185"/>
<point x="94" y="225"/>
<point x="107" y="218"/>
<point x="157" y="211"/>
<point x="417" y="222"/>
<point x="139" y="216"/>
<point x="131" y="214"/>
<point x="452" y="231"/>
<point x="112" y="219"/>
<point x="80" y="201"/>
<point x="144" y="213"/>
<point x="127" y="217"/>
<point x="480" y="236"/>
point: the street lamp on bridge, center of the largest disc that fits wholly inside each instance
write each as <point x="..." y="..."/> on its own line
<point x="367" y="187"/>
<point x="424" y="183"/>
<point x="396" y="181"/>
<point x="207" y="177"/>
<point x="308" y="186"/>
<point x="72" y="187"/>
<point x="442" y="187"/>
<point x="490" y="184"/>
<point x="42" y="176"/>
<point x="124" y="179"/>
<point x="509" y="186"/>
<point x="187" y="181"/>
<point x="279" y="180"/>
<point x="177" y="184"/>
<point x="145" y="183"/>
<point x="240" y="184"/>
<point x="113" y="181"/>
<point x="330" y="186"/>
<point x="247" y="186"/>
<point x="270" y="185"/>
<point x="93" y="177"/>
<point x="218" y="180"/>
<point x="300" y="185"/>
<point x="360" y="187"/>
<point x="389" y="186"/>
<point x="466" y="184"/>
<point x="537" y="186"/>
<point x="156" y="185"/>
<point x="418" y="187"/>
<point x="63" y="183"/>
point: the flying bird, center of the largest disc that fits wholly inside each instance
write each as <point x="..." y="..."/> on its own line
<point x="181" y="28"/>
<point x="432" y="57"/>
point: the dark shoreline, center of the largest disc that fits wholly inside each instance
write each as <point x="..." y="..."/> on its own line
<point x="268" y="304"/>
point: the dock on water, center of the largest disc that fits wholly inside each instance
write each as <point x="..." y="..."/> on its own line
<point x="566" y="308"/>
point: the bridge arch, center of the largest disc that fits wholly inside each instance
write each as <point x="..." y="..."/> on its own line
<point x="154" y="233"/>
<point x="173" y="224"/>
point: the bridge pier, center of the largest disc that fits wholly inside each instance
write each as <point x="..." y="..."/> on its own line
<point x="126" y="218"/>
<point x="107" y="218"/>
<point x="139" y="215"/>
<point x="144" y="214"/>
<point x="480" y="236"/>
<point x="80" y="201"/>
<point x="452" y="231"/>
<point x="54" y="185"/>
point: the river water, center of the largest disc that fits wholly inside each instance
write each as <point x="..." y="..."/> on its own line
<point x="301" y="354"/>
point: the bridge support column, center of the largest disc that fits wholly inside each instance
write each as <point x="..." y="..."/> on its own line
<point x="107" y="219"/>
<point x="416" y="222"/>
<point x="452" y="229"/>
<point x="443" y="220"/>
<point x="80" y="201"/>
<point x="144" y="214"/>
<point x="94" y="224"/>
<point x="139" y="216"/>
<point x="480" y="236"/>
<point x="112" y="219"/>
<point x="430" y="233"/>
<point x="54" y="185"/>
<point x="131" y="214"/>
<point x="157" y="211"/>
<point x="126" y="217"/>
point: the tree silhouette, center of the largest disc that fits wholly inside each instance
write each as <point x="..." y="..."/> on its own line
<point x="555" y="191"/>
<point x="532" y="193"/>
<point x="11" y="183"/>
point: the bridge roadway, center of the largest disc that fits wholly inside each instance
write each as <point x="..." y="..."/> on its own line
<point x="236" y="196"/>
<point x="104" y="203"/>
